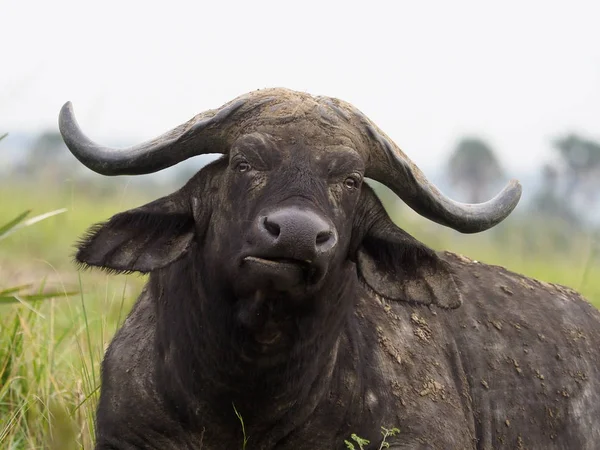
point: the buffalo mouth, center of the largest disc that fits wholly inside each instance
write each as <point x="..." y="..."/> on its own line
<point x="280" y="274"/>
<point x="279" y="263"/>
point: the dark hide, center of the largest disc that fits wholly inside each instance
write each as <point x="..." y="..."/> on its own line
<point x="454" y="353"/>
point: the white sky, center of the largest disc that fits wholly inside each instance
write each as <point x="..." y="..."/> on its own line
<point x="514" y="72"/>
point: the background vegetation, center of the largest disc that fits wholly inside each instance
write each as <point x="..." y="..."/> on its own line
<point x="51" y="349"/>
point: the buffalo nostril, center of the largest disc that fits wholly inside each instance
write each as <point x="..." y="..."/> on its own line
<point x="323" y="237"/>
<point x="273" y="228"/>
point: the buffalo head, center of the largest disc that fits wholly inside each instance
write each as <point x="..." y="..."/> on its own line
<point x="285" y="213"/>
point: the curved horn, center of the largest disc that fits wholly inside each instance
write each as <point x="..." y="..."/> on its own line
<point x="390" y="166"/>
<point x="202" y="134"/>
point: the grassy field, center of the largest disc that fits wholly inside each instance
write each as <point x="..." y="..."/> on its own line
<point x="50" y="351"/>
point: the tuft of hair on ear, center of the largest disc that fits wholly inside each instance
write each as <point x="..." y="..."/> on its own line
<point x="79" y="254"/>
<point x="84" y="241"/>
<point x="135" y="241"/>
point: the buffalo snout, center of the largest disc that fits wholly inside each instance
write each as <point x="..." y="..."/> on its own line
<point x="288" y="249"/>
<point x="296" y="234"/>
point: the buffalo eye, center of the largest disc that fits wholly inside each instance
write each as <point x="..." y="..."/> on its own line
<point x="351" y="183"/>
<point x="243" y="166"/>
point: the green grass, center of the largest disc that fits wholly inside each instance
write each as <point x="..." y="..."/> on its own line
<point x="50" y="351"/>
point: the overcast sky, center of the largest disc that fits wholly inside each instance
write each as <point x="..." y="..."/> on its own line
<point x="516" y="73"/>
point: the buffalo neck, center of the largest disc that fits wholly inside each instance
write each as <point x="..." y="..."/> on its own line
<point x="203" y="351"/>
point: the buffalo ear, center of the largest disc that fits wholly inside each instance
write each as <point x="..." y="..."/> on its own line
<point x="398" y="267"/>
<point x="140" y="240"/>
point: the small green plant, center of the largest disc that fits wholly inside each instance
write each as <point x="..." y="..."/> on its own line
<point x="362" y="443"/>
<point x="387" y="432"/>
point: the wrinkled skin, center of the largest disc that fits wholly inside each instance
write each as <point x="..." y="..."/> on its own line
<point x="377" y="330"/>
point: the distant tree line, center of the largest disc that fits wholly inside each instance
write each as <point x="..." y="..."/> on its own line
<point x="50" y="163"/>
<point x="569" y="188"/>
<point x="570" y="182"/>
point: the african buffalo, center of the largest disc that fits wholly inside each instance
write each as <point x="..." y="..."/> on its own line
<point x="285" y="309"/>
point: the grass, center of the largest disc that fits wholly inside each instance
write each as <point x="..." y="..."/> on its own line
<point x="50" y="351"/>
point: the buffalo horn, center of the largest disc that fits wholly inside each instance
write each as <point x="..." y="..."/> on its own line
<point x="205" y="133"/>
<point x="209" y="132"/>
<point x="390" y="166"/>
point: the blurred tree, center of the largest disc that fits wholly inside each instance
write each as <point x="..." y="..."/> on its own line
<point x="474" y="169"/>
<point x="580" y="160"/>
<point x="549" y="201"/>
<point x="571" y="183"/>
<point x="49" y="158"/>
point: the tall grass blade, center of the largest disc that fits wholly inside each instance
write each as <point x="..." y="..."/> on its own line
<point x="16" y="298"/>
<point x="12" y="421"/>
<point x="87" y="329"/>
<point x="14" y="227"/>
<point x="7" y="227"/>
<point x="15" y="289"/>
